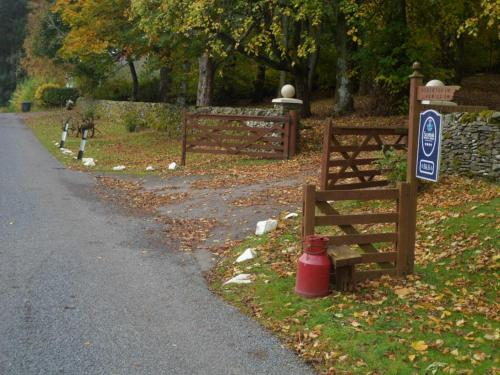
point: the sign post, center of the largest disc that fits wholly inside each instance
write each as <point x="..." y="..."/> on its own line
<point x="423" y="152"/>
<point x="429" y="145"/>
<point x="416" y="80"/>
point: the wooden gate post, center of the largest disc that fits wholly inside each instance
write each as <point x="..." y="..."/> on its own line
<point x="325" y="158"/>
<point x="294" y="144"/>
<point x="415" y="107"/>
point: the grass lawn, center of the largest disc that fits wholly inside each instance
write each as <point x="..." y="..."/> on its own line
<point x="113" y="145"/>
<point x="443" y="319"/>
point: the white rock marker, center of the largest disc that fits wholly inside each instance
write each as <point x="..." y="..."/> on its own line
<point x="291" y="215"/>
<point x="119" y="168"/>
<point x="242" y="278"/>
<point x="266" y="226"/>
<point x="88" y="162"/>
<point x="172" y="166"/>
<point x="150" y="168"/>
<point x="248" y="254"/>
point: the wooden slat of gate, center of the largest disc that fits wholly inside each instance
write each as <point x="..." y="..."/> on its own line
<point x="350" y="153"/>
<point x="369" y="131"/>
<point x="268" y="155"/>
<point x="245" y="128"/>
<point x="366" y="195"/>
<point x="360" y="185"/>
<point x="344" y="162"/>
<point x="348" y="229"/>
<point x="379" y="257"/>
<point x="348" y="157"/>
<point x="242" y="138"/>
<point x="356" y="219"/>
<point x="200" y="135"/>
<point x="364" y="173"/>
<point x="362" y="239"/>
<point x="366" y="147"/>
<point x="237" y="146"/>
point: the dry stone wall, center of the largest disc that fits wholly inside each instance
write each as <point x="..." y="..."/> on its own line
<point x="471" y="145"/>
<point x="163" y="116"/>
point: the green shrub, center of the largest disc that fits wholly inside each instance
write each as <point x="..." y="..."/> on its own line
<point x="166" y="119"/>
<point x="395" y="162"/>
<point x="25" y="92"/>
<point x="132" y="121"/>
<point x="59" y="96"/>
<point x="41" y="90"/>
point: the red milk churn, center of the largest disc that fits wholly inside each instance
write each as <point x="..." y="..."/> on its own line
<point x="313" y="268"/>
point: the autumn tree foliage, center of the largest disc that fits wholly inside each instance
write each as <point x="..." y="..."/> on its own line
<point x="344" y="46"/>
<point x="98" y="27"/>
<point x="280" y="35"/>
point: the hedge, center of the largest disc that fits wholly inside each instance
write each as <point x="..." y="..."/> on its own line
<point x="59" y="96"/>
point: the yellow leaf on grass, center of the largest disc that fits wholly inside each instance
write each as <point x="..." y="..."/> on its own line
<point x="402" y="292"/>
<point x="479" y="356"/>
<point x="419" y="346"/>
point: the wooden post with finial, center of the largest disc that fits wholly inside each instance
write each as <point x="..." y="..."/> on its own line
<point x="415" y="107"/>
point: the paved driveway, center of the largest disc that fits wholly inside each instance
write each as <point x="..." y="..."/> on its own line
<point x="83" y="290"/>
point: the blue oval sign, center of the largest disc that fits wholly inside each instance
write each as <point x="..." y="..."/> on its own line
<point x="429" y="137"/>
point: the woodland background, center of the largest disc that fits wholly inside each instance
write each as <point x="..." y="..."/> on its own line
<point x="219" y="52"/>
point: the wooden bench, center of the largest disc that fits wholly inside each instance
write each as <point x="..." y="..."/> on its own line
<point x="344" y="260"/>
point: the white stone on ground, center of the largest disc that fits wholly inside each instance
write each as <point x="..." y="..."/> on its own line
<point x="248" y="254"/>
<point x="242" y="278"/>
<point x="88" y="162"/>
<point x="172" y="166"/>
<point x="266" y="226"/>
<point x="119" y="168"/>
<point x="291" y="215"/>
<point x="150" y="168"/>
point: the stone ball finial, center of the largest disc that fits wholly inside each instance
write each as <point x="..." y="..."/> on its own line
<point x="288" y="91"/>
<point x="434" y="83"/>
<point x="416" y="66"/>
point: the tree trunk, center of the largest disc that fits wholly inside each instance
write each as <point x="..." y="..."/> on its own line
<point x="344" y="102"/>
<point x="303" y="92"/>
<point x="182" y="98"/>
<point x="258" y="85"/>
<point x="135" y="80"/>
<point x="312" y="63"/>
<point x="165" y="82"/>
<point x="205" y="80"/>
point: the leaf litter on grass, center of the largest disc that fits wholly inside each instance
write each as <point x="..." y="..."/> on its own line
<point x="442" y="319"/>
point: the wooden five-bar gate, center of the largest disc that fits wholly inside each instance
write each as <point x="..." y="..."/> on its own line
<point x="349" y="173"/>
<point x="350" y="154"/>
<point x="387" y="247"/>
<point x="269" y="137"/>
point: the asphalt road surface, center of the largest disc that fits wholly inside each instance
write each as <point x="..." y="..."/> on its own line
<point x="83" y="291"/>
